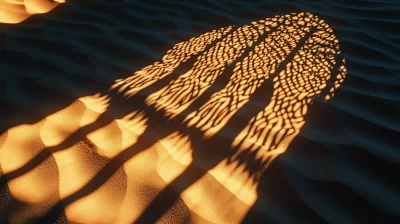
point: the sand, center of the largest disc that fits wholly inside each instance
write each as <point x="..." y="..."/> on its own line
<point x="121" y="112"/>
<point x="16" y="11"/>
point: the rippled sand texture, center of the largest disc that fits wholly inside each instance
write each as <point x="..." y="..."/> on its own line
<point x="195" y="145"/>
<point x="241" y="123"/>
<point x="16" y="11"/>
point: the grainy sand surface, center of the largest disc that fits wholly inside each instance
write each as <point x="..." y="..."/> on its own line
<point x="118" y="111"/>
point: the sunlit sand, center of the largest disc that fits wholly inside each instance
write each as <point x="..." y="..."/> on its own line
<point x="206" y="135"/>
<point x="16" y="11"/>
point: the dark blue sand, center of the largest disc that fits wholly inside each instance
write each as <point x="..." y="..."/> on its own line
<point x="344" y="165"/>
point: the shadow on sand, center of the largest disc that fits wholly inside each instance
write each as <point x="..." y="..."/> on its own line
<point x="240" y="95"/>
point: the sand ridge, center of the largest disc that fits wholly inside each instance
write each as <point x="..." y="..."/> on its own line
<point x="288" y="48"/>
<point x="327" y="157"/>
<point x="16" y="11"/>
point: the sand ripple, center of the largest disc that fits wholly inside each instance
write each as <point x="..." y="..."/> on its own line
<point x="341" y="168"/>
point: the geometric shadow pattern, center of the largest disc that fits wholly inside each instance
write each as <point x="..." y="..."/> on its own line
<point x="186" y="139"/>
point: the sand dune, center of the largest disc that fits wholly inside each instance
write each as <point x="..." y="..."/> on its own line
<point x="246" y="118"/>
<point x="16" y="11"/>
<point x="297" y="51"/>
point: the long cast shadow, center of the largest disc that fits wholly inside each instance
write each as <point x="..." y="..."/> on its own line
<point x="212" y="150"/>
<point x="104" y="119"/>
<point x="138" y="101"/>
<point x="144" y="142"/>
<point x="161" y="117"/>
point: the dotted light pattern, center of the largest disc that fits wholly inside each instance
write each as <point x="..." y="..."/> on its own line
<point x="278" y="66"/>
<point x="180" y="53"/>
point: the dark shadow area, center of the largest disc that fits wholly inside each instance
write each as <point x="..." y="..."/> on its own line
<point x="207" y="151"/>
<point x="315" y="181"/>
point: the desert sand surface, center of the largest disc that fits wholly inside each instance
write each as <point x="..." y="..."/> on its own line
<point x="199" y="112"/>
<point x="16" y="11"/>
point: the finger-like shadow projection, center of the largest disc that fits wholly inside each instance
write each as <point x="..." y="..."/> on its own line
<point x="195" y="132"/>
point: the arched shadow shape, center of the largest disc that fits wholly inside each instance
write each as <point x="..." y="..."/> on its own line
<point x="206" y="150"/>
<point x="157" y="117"/>
<point x="192" y="174"/>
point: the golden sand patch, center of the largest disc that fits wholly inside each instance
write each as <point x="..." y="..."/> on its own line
<point x="16" y="11"/>
<point x="205" y="136"/>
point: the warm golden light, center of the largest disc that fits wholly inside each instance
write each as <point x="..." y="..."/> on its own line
<point x="16" y="11"/>
<point x="193" y="134"/>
